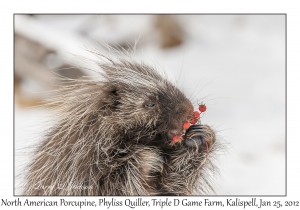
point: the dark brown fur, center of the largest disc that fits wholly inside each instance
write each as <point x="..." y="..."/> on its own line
<point x="110" y="139"/>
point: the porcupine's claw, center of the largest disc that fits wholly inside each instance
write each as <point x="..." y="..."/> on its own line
<point x="194" y="136"/>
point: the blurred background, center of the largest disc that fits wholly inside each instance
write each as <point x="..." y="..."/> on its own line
<point x="235" y="64"/>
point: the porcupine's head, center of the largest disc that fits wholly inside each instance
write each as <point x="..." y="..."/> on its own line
<point x="147" y="105"/>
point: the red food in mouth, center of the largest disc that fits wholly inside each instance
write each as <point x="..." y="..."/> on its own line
<point x="177" y="138"/>
<point x="173" y="134"/>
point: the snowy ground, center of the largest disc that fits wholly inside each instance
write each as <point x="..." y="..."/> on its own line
<point x="236" y="65"/>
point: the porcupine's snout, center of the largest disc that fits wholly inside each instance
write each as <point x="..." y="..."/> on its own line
<point x="177" y="128"/>
<point x="199" y="135"/>
<point x="180" y="121"/>
<point x="175" y="132"/>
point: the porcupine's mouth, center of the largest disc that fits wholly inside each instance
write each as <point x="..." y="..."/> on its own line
<point x="194" y="135"/>
<point x="178" y="131"/>
<point x="176" y="135"/>
<point x="174" y="132"/>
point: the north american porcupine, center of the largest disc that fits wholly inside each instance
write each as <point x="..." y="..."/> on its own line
<point x="113" y="136"/>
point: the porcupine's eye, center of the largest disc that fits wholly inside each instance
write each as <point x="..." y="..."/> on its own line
<point x="149" y="104"/>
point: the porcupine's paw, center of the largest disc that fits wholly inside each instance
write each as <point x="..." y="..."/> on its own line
<point x="198" y="135"/>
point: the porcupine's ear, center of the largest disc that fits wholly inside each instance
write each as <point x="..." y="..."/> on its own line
<point x="109" y="95"/>
<point x="114" y="92"/>
<point x="114" y="97"/>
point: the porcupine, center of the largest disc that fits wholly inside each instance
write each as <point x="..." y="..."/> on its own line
<point x="113" y="136"/>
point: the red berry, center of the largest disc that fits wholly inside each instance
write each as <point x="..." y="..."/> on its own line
<point x="176" y="138"/>
<point x="202" y="108"/>
<point x="186" y="125"/>
<point x="196" y="115"/>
